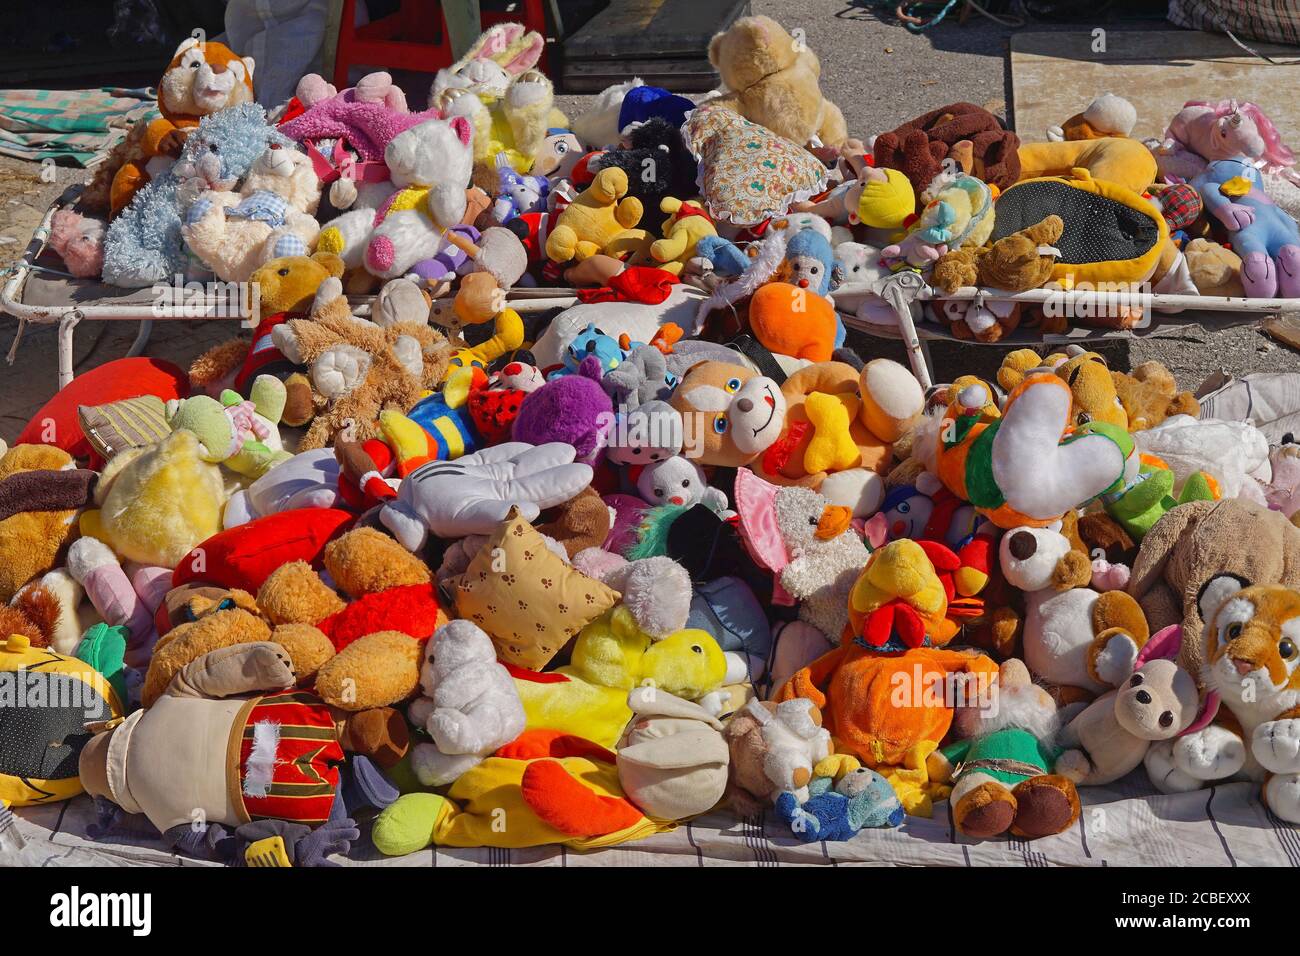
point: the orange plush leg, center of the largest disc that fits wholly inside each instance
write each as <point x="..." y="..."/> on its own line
<point x="565" y="804"/>
<point x="128" y="181"/>
<point x="985" y="811"/>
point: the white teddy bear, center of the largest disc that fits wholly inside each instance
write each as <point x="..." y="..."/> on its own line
<point x="470" y="706"/>
<point x="679" y="481"/>
<point x="795" y="741"/>
<point x="272" y="215"/>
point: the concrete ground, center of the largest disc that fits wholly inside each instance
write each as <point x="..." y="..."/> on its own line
<point x="879" y="74"/>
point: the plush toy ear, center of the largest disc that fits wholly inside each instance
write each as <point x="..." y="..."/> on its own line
<point x="249" y="64"/>
<point x="332" y="263"/>
<point x="1164" y="644"/>
<point x="462" y="128"/>
<point x="715" y="48"/>
<point x="1217" y="590"/>
<point x="186" y="44"/>
<point x="756" y="504"/>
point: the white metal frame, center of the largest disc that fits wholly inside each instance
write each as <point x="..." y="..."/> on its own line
<point x="903" y="288"/>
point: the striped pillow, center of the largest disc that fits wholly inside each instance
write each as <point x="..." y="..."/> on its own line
<point x="128" y="423"/>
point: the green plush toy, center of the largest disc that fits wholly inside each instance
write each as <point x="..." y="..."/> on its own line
<point x="238" y="433"/>
<point x="1147" y="499"/>
<point x="103" y="647"/>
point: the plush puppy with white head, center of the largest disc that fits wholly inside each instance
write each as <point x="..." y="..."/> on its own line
<point x="730" y="413"/>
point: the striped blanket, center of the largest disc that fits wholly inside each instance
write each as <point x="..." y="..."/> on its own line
<point x="1277" y="21"/>
<point x="1123" y="824"/>
<point x="69" y="125"/>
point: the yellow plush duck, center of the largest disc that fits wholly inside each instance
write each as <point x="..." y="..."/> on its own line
<point x="588" y="697"/>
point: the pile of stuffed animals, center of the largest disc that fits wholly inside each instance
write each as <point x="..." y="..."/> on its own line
<point x="671" y="549"/>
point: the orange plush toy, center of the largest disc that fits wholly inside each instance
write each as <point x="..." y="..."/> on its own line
<point x="202" y="78"/>
<point x="883" y="692"/>
<point x="792" y="321"/>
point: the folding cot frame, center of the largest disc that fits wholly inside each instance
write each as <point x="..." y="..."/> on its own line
<point x="900" y="291"/>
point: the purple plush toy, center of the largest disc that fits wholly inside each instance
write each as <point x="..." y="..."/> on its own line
<point x="573" y="409"/>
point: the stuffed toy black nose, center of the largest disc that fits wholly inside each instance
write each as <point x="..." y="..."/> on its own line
<point x="1022" y="545"/>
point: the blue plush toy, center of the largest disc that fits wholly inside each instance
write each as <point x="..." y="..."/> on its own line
<point x="591" y="341"/>
<point x="144" y="245"/>
<point x="1266" y="238"/>
<point x="518" y="194"/>
<point x="862" y="799"/>
<point x="727" y="258"/>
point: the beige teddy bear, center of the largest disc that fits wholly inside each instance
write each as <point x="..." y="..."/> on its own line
<point x="771" y="78"/>
<point x="272" y="215"/>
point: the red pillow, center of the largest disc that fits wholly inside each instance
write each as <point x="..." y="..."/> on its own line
<point x="56" y="423"/>
<point x="244" y="556"/>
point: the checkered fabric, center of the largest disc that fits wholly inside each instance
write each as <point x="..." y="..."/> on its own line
<point x="1276" y="21"/>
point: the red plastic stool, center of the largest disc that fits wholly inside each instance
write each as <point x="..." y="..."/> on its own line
<point x="413" y="38"/>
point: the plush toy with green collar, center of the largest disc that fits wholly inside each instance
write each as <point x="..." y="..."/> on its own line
<point x="1145" y="500"/>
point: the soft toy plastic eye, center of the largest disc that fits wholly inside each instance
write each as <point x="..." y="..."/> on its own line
<point x="904" y="508"/>
<point x="733" y="384"/>
<point x="720" y="424"/>
<point x="1287" y="649"/>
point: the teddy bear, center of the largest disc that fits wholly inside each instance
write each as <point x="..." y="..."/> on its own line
<point x="919" y="147"/>
<point x="469" y="705"/>
<point x="730" y="413"/>
<point x="358" y="369"/>
<point x="286" y="289"/>
<point x="41" y="492"/>
<point x="1002" y="764"/>
<point x="1135" y="723"/>
<point x="203" y="77"/>
<point x="272" y="215"/>
<point x="844" y="798"/>
<point x="1149" y="395"/>
<point x="679" y="482"/>
<point x="358" y="654"/>
<point x="685" y="226"/>
<point x="79" y="241"/>
<point x="255" y="755"/>
<point x="495" y="86"/>
<point x="1014" y="263"/>
<point x="772" y="79"/>
<point x="595" y="219"/>
<point x="774" y="748"/>
<point x="1093" y="387"/>
<point x="143" y="245"/>
<point x="1214" y="268"/>
<point x="657" y="164"/>
<point x="156" y="502"/>
<point x="1199" y="540"/>
<point x="1073" y="636"/>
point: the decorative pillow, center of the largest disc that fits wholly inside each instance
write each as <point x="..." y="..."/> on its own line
<point x="244" y="556"/>
<point x="128" y="423"/>
<point x="56" y="423"/>
<point x="747" y="172"/>
<point x="528" y="600"/>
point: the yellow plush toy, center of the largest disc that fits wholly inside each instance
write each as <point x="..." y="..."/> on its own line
<point x="588" y="697"/>
<point x="1125" y="162"/>
<point x="157" y="502"/>
<point x="1092" y="387"/>
<point x="686" y="225"/>
<point x="595" y="219"/>
<point x="71" y="694"/>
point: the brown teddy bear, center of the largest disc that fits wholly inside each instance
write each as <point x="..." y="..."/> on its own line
<point x="1215" y="269"/>
<point x="968" y="134"/>
<point x="286" y="289"/>
<point x="1199" y="540"/>
<point x="40" y="495"/>
<point x="358" y="368"/>
<point x="1091" y="385"/>
<point x="1150" y="395"/>
<point x="360" y="654"/>
<point x="772" y="79"/>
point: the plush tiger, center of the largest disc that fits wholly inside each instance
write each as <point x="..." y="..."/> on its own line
<point x="1252" y="653"/>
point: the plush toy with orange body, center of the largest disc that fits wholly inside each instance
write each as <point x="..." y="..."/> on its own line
<point x="886" y="692"/>
<point x="201" y="79"/>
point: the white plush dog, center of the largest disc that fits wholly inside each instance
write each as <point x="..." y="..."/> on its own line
<point x="470" y="706"/>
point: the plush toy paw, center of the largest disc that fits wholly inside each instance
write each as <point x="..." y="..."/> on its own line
<point x="331" y="237"/>
<point x="1073" y="765"/>
<point x="1115" y="657"/>
<point x="985" y="811"/>
<point x="1210" y="754"/>
<point x="1163" y="771"/>
<point x="1282" y="795"/>
<point x="531" y="87"/>
<point x="340" y="369"/>
<point x="1044" y="805"/>
<point x="1276" y="745"/>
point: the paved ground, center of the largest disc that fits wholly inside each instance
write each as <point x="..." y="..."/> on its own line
<point x="877" y="72"/>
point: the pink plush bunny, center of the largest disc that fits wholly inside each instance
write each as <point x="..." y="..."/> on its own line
<point x="80" y="241"/>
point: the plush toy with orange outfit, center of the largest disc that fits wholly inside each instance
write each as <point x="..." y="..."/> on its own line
<point x="884" y="693"/>
<point x="201" y="78"/>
